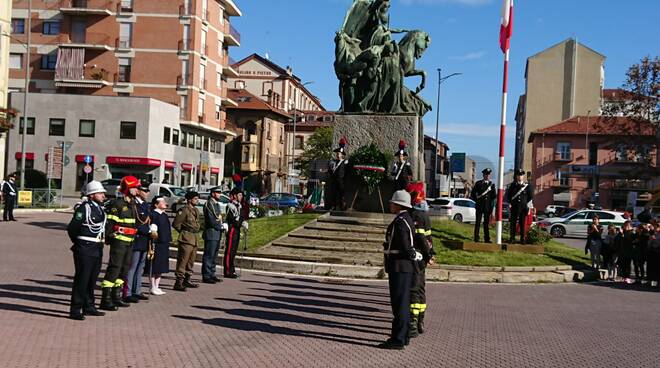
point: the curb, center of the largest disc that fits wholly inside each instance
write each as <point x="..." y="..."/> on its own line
<point x="41" y="210"/>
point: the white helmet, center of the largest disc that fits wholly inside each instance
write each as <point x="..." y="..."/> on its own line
<point x="94" y="187"/>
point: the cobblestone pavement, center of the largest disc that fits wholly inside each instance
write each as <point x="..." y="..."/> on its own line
<point x="268" y="320"/>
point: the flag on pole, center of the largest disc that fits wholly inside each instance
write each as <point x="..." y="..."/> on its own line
<point x="506" y="25"/>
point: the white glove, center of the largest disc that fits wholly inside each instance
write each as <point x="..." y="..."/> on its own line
<point x="530" y="205"/>
<point x="153" y="228"/>
<point x="245" y="225"/>
<point x="225" y="227"/>
<point x="418" y="256"/>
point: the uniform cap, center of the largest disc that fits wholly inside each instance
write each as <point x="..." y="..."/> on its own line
<point x="216" y="190"/>
<point x="94" y="187"/>
<point x="402" y="148"/>
<point x="520" y="172"/>
<point x="235" y="191"/>
<point x="342" y="146"/>
<point x="190" y="195"/>
<point x="486" y="171"/>
<point x="402" y="198"/>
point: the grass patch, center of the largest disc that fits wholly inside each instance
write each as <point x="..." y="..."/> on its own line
<point x="555" y="252"/>
<point x="266" y="229"/>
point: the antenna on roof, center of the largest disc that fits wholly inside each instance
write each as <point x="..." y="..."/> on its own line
<point x="267" y="57"/>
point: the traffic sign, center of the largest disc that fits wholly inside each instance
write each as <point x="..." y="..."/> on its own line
<point x="87" y="169"/>
<point x="68" y="144"/>
<point x="87" y="159"/>
<point x="66" y="160"/>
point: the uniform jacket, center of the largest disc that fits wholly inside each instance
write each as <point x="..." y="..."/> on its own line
<point x="399" y="249"/>
<point x="402" y="173"/>
<point x="120" y="215"/>
<point x="484" y="194"/>
<point x="9" y="189"/>
<point x="627" y="240"/>
<point x="187" y="224"/>
<point x="338" y="171"/>
<point x="423" y="241"/>
<point x="141" y="242"/>
<point x="212" y="220"/>
<point x="164" y="228"/>
<point x="234" y="214"/>
<point x="521" y="200"/>
<point x="88" y="221"/>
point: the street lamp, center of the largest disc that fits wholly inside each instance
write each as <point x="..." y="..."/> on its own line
<point x="437" y="123"/>
<point x="293" y="143"/>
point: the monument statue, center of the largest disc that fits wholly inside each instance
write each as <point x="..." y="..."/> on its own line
<point x="371" y="66"/>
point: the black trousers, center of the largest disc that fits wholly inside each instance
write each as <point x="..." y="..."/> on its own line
<point x="10" y="202"/>
<point x="418" y="288"/>
<point x="518" y="214"/>
<point x="400" y="284"/>
<point x="119" y="263"/>
<point x="84" y="282"/>
<point x="639" y="263"/>
<point x="485" y="215"/>
<point x="231" y="246"/>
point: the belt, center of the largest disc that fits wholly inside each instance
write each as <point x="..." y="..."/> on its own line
<point x="90" y="239"/>
<point x="124" y="230"/>
<point x="394" y="251"/>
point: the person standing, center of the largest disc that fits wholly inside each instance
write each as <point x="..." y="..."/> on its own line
<point x="9" y="193"/>
<point x="140" y="245"/>
<point x="187" y="224"/>
<point x="235" y="221"/>
<point x="483" y="194"/>
<point x="610" y="251"/>
<point x="120" y="232"/>
<point x="519" y="195"/>
<point x="213" y="228"/>
<point x="594" y="242"/>
<point x="639" y="257"/>
<point x="653" y="270"/>
<point x="401" y="170"/>
<point x="399" y="256"/>
<point x="87" y="231"/>
<point x="159" y="264"/>
<point x="337" y="184"/>
<point x="627" y="238"/>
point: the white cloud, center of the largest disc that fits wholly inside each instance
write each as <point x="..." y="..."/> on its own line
<point x="475" y="55"/>
<point x="468" y="130"/>
<point x="435" y="2"/>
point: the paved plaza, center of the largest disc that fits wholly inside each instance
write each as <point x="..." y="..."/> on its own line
<point x="270" y="320"/>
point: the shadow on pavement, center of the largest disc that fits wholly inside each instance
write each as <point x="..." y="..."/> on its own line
<point x="325" y="296"/>
<point x="48" y="225"/>
<point x="627" y="287"/>
<point x="384" y="293"/>
<point x="318" y="303"/>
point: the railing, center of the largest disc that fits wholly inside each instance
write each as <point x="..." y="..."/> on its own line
<point x="560" y="183"/>
<point x="185" y="45"/>
<point x="95" y="74"/>
<point x="235" y="33"/>
<point x="87" y="4"/>
<point x="563" y="156"/>
<point x="201" y="118"/>
<point x="183" y="80"/>
<point x="122" y="77"/>
<point x="250" y="138"/>
<point x="631" y="185"/>
<point x="42" y="197"/>
<point x="122" y="43"/>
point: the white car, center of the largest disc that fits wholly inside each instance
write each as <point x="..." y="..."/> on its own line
<point x="551" y="209"/>
<point x="457" y="209"/>
<point x="575" y="224"/>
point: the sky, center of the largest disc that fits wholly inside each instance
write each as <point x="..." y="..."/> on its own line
<point x="464" y="37"/>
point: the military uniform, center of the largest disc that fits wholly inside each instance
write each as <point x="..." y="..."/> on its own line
<point x="212" y="235"/>
<point x="120" y="232"/>
<point x="484" y="195"/>
<point x="519" y="195"/>
<point x="423" y="243"/>
<point x="402" y="173"/>
<point x="187" y="224"/>
<point x="235" y="220"/>
<point x="140" y="248"/>
<point x="337" y="184"/>
<point x="86" y="230"/>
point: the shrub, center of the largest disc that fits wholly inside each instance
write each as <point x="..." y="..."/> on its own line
<point x="537" y="236"/>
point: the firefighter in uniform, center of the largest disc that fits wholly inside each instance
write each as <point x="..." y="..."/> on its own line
<point x="483" y="194"/>
<point x="120" y="232"/>
<point x="337" y="184"/>
<point x="235" y="221"/>
<point x="519" y="195"/>
<point x="87" y="230"/>
<point x="423" y="244"/>
<point x="401" y="170"/>
<point x="187" y="224"/>
<point x="400" y="256"/>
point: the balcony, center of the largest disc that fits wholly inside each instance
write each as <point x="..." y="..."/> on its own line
<point x="122" y="43"/>
<point x="561" y="183"/>
<point x="183" y="81"/>
<point x="87" y="7"/>
<point x="563" y="157"/>
<point x="250" y="139"/>
<point x="232" y="36"/>
<point x="125" y="8"/>
<point x="91" y="78"/>
<point x="228" y="102"/>
<point x="228" y="70"/>
<point x="631" y="185"/>
<point x="89" y="40"/>
<point x="201" y="118"/>
<point x="185" y="45"/>
<point x="231" y="9"/>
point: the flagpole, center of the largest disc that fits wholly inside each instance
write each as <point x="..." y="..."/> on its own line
<point x="500" y="165"/>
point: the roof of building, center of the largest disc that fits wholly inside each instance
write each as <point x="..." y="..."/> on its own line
<point x="432" y="140"/>
<point x="598" y="125"/>
<point x="565" y="41"/>
<point x="248" y="101"/>
<point x="619" y="94"/>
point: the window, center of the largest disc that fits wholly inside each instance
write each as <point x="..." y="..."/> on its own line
<point x="125" y="32"/>
<point x="217" y="112"/>
<point x="200" y="107"/>
<point x="579" y="216"/>
<point x="56" y="127"/>
<point x="175" y="136"/>
<point x="198" y="142"/>
<point x="183" y="106"/>
<point x="184" y="138"/>
<point x="48" y="61"/>
<point x="206" y="144"/>
<point x="218" y="147"/>
<point x="220" y="47"/>
<point x="563" y="150"/>
<point x="202" y="76"/>
<point x="29" y="128"/>
<point x="299" y="143"/>
<point x="246" y="154"/>
<point x="17" y="26"/>
<point x="166" y="135"/>
<point x="86" y="128"/>
<point x="593" y="153"/>
<point x="282" y="135"/>
<point x="222" y="15"/>
<point x="124" y="73"/>
<point x="51" y="27"/>
<point x="164" y="192"/>
<point x="191" y="140"/>
<point x="218" y="79"/>
<point x="268" y="133"/>
<point x="127" y="130"/>
<point x="203" y="50"/>
<point x="15" y="61"/>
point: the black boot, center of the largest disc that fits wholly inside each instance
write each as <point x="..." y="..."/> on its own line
<point x="178" y="285"/>
<point x="106" y="300"/>
<point x="412" y="332"/>
<point x="188" y="284"/>
<point x="116" y="298"/>
<point x="420" y="323"/>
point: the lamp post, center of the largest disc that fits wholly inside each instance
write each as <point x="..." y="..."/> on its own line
<point x="293" y="142"/>
<point x="437" y="124"/>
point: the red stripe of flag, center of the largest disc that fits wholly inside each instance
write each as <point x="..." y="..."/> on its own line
<point x="506" y="25"/>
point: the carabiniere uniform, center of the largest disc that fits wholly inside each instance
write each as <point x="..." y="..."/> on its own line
<point x="120" y="231"/>
<point x="519" y="195"/>
<point x="423" y="243"/>
<point x="86" y="230"/>
<point x="483" y="194"/>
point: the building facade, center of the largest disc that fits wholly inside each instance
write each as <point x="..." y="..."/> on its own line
<point x="462" y="182"/>
<point x="431" y="146"/>
<point x="589" y="159"/>
<point x="5" y="116"/>
<point x="142" y="139"/>
<point x="562" y="81"/>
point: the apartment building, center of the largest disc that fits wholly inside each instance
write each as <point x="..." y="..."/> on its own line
<point x="5" y="115"/>
<point x="174" y="51"/>
<point x="431" y="146"/>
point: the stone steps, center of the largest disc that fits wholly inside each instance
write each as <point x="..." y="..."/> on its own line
<point x="337" y="236"/>
<point x="359" y="229"/>
<point x="354" y="221"/>
<point x="302" y="253"/>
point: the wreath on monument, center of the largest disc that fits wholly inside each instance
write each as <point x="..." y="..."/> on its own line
<point x="370" y="164"/>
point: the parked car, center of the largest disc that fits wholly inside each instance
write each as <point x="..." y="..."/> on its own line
<point x="280" y="200"/>
<point x="575" y="224"/>
<point x="204" y="196"/>
<point x="457" y="209"/>
<point x="174" y="195"/>
<point x="553" y="209"/>
<point x="111" y="187"/>
<point x="564" y="210"/>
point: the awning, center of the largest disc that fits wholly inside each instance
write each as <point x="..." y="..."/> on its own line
<point x="186" y="167"/>
<point x="215" y="170"/>
<point x="125" y="161"/>
<point x="81" y="158"/>
<point x="70" y="63"/>
<point x="170" y="164"/>
<point x="29" y="156"/>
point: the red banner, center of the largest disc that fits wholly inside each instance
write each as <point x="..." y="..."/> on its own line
<point x="28" y="155"/>
<point x="142" y="161"/>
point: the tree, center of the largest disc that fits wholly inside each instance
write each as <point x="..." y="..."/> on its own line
<point x="318" y="147"/>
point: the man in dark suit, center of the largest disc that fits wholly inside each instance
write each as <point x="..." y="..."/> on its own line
<point x="336" y="184"/>
<point x="519" y="195"/>
<point x="213" y="228"/>
<point x="9" y="193"/>
<point x="483" y="194"/>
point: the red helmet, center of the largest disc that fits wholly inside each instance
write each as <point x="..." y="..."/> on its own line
<point x="418" y="189"/>
<point x="128" y="182"/>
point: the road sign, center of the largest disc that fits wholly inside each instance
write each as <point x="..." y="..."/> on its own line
<point x="87" y="169"/>
<point x="25" y="197"/>
<point x="87" y="159"/>
<point x="67" y="160"/>
<point x="457" y="162"/>
<point x="67" y="145"/>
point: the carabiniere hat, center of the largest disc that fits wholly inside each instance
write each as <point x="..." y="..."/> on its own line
<point x="486" y="171"/>
<point x="520" y="172"/>
<point x="402" y="198"/>
<point x="191" y="195"/>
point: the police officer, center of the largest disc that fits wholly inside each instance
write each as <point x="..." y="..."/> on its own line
<point x="399" y="256"/>
<point x="213" y="228"/>
<point x="337" y="185"/>
<point x="120" y="232"/>
<point x="140" y="245"/>
<point x="401" y="170"/>
<point x="519" y="195"/>
<point x="9" y="193"/>
<point x="235" y="221"/>
<point x="483" y="194"/>
<point x="423" y="243"/>
<point x="187" y="224"/>
<point x="87" y="230"/>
